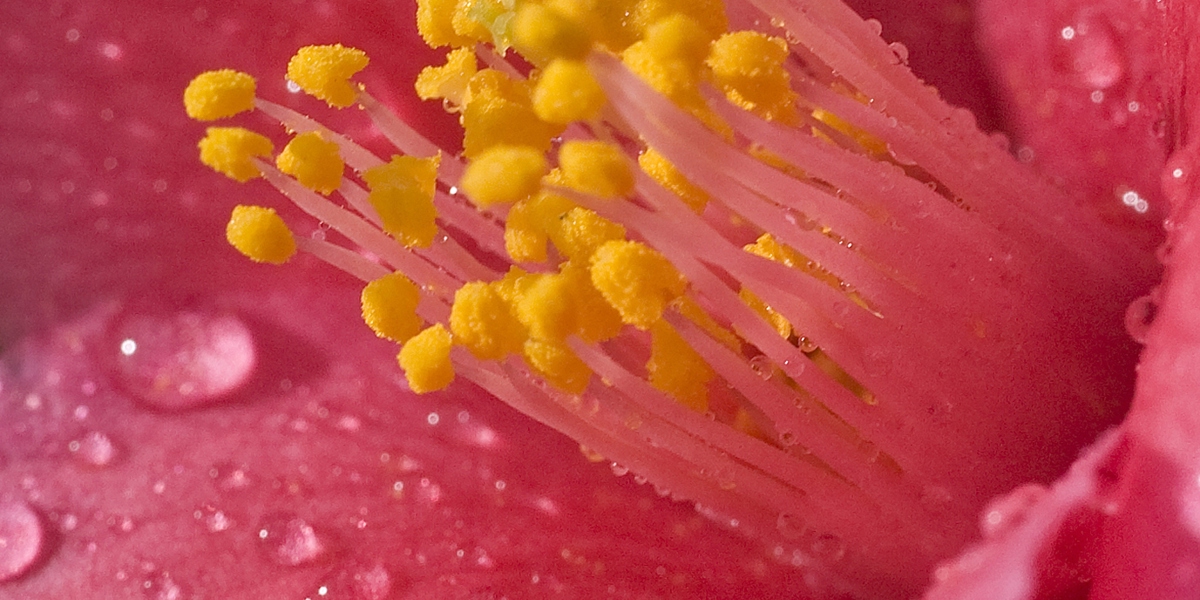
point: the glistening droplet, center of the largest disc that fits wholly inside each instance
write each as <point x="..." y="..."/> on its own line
<point x="355" y="580"/>
<point x="1006" y="512"/>
<point x="95" y="449"/>
<point x="290" y="540"/>
<point x="1139" y="316"/>
<point x="183" y="360"/>
<point x="1089" y="51"/>
<point x="21" y="538"/>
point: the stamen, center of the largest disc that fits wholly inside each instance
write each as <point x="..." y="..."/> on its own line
<point x="803" y="306"/>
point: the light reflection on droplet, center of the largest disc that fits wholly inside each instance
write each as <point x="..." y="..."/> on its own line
<point x="21" y="538"/>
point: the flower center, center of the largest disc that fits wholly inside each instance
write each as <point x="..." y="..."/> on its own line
<point x="768" y="271"/>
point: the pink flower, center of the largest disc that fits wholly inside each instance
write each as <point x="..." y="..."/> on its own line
<point x="293" y="463"/>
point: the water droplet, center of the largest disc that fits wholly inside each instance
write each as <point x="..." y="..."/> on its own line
<point x="214" y="520"/>
<point x="95" y="449"/>
<point x="1139" y="316"/>
<point x="762" y="366"/>
<point x="289" y="540"/>
<point x="1006" y="512"/>
<point x="875" y="26"/>
<point x="1089" y="50"/>
<point x="21" y="538"/>
<point x="792" y="526"/>
<point x="355" y="581"/>
<point x="806" y="345"/>
<point x="828" y="547"/>
<point x="161" y="586"/>
<point x="618" y="470"/>
<point x="183" y="360"/>
<point x="230" y="477"/>
<point x="900" y="51"/>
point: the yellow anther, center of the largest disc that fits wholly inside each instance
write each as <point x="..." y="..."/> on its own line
<point x="389" y="307"/>
<point x="709" y="15"/>
<point x="597" y="168"/>
<point x="229" y="150"/>
<point x="541" y="34"/>
<point x="676" y="369"/>
<point x="529" y="224"/>
<point x="558" y="365"/>
<point x="665" y="64"/>
<point x="314" y="162"/>
<point x="566" y="92"/>
<point x="484" y="323"/>
<point x="325" y="72"/>
<point x="606" y="20"/>
<point x="448" y="82"/>
<point x="690" y="309"/>
<point x="402" y="194"/>
<point x="499" y="112"/>
<point x="636" y="280"/>
<point x="545" y="307"/>
<point x="661" y="170"/>
<point x="581" y="232"/>
<point x="219" y="94"/>
<point x="777" y="321"/>
<point x="486" y="21"/>
<point x="503" y="174"/>
<point x="260" y="234"/>
<point x="679" y="37"/>
<point x="749" y="67"/>
<point x="435" y="23"/>
<point x="513" y="285"/>
<point x="426" y="360"/>
<point x="595" y="319"/>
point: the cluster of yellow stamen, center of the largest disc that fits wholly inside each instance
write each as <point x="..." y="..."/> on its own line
<point x="604" y="279"/>
<point x="651" y="241"/>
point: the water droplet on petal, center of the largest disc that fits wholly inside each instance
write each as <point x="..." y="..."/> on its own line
<point x="791" y="525"/>
<point x="161" y="586"/>
<point x="183" y="360"/>
<point x="1139" y="316"/>
<point x="1090" y="51"/>
<point x="289" y="540"/>
<point x="900" y="51"/>
<point x="761" y="365"/>
<point x="355" y="581"/>
<point x="21" y="538"/>
<point x="230" y="477"/>
<point x="1006" y="512"/>
<point x="875" y="26"/>
<point x="95" y="449"/>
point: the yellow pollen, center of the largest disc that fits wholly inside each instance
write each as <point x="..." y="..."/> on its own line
<point x="566" y="92"/>
<point x="676" y="369"/>
<point x="558" y="365"/>
<point x="636" y="280"/>
<point x="749" y="67"/>
<point x="435" y="23"/>
<point x="597" y="168"/>
<point x="541" y="34"/>
<point x="229" y="150"/>
<point x="425" y="359"/>
<point x="581" y="232"/>
<point x="219" y="94"/>
<point x="504" y="174"/>
<point x="389" y="307"/>
<point x="448" y="82"/>
<point x="654" y="164"/>
<point x="483" y="321"/>
<point x="260" y="234"/>
<point x="530" y="223"/>
<point x="402" y="194"/>
<point x="314" y="162"/>
<point x="324" y="72"/>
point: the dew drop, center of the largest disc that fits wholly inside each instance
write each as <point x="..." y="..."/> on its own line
<point x="183" y="360"/>
<point x="875" y="26"/>
<point x="791" y="526"/>
<point x="828" y="547"/>
<point x="355" y="581"/>
<point x="900" y="51"/>
<point x="162" y="586"/>
<point x="1006" y="512"/>
<point x="762" y="366"/>
<point x="1089" y="51"/>
<point x="618" y="470"/>
<point x="230" y="477"/>
<point x="21" y="538"/>
<point x="1139" y="316"/>
<point x="289" y="540"/>
<point x="95" y="449"/>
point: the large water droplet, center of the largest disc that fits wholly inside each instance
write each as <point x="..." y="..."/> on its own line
<point x="355" y="581"/>
<point x="95" y="449"/>
<point x="20" y="539"/>
<point x="289" y="540"/>
<point x="1089" y="51"/>
<point x="1006" y="512"/>
<point x="1139" y="316"/>
<point x="183" y="360"/>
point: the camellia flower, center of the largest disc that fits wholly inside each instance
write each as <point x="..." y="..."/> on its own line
<point x="181" y="425"/>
